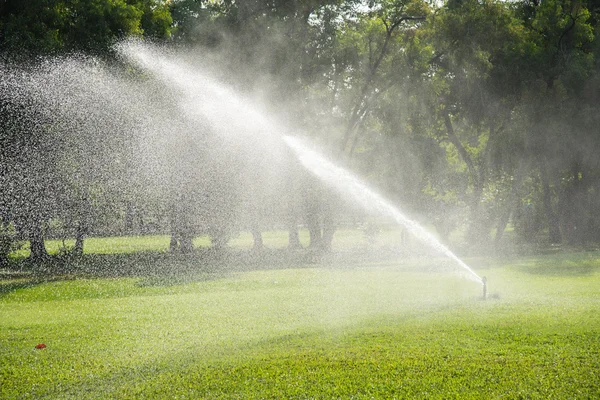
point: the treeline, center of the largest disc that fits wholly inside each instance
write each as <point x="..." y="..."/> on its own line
<point x="468" y="113"/>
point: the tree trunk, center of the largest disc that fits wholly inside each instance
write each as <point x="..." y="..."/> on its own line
<point x="219" y="240"/>
<point x="36" y="243"/>
<point x="478" y="229"/>
<point x="258" y="240"/>
<point x="181" y="231"/>
<point x="328" y="232"/>
<point x="314" y="232"/>
<point x="294" y="238"/>
<point x="83" y="218"/>
<point x="181" y="239"/>
<point x="174" y="227"/>
<point x="174" y="243"/>
<point x="186" y="243"/>
<point x="328" y="224"/>
<point x="576" y="223"/>
<point x="5" y="240"/>
<point x="79" y="238"/>
<point x="554" y="235"/>
<point x="511" y="202"/>
<point x="462" y="151"/>
<point x="292" y="224"/>
<point x="129" y="218"/>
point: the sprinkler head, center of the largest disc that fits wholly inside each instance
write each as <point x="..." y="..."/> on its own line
<point x="484" y="281"/>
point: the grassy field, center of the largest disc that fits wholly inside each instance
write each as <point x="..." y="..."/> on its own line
<point x="183" y="327"/>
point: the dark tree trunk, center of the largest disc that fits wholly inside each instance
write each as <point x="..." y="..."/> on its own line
<point x="314" y="232"/>
<point x="313" y="211"/>
<point x="327" y="239"/>
<point x="129" y="217"/>
<point x="552" y="220"/>
<point x="321" y="237"/>
<point x="181" y="243"/>
<point x="503" y="220"/>
<point x="79" y="238"/>
<point x="479" y="227"/>
<point x="328" y="226"/>
<point x="293" y="212"/>
<point x="174" y="243"/>
<point x="5" y="240"/>
<point x="83" y="222"/>
<point x="36" y="243"/>
<point x="186" y="244"/>
<point x="181" y="240"/>
<point x="174" y="225"/>
<point x="575" y="205"/>
<point x="181" y="231"/>
<point x="511" y="202"/>
<point x="219" y="241"/>
<point x="258" y="240"/>
<point x="294" y="237"/>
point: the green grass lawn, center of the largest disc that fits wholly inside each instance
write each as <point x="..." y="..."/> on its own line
<point x="387" y="329"/>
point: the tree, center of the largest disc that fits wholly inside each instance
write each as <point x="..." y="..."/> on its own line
<point x="560" y="65"/>
<point x="37" y="27"/>
<point x="33" y="138"/>
<point x="477" y="87"/>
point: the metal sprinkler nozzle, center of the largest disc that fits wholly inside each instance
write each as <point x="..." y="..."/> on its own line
<point x="484" y="281"/>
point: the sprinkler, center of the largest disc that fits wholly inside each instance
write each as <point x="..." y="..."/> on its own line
<point x="484" y="281"/>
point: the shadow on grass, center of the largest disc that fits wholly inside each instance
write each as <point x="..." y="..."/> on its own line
<point x="154" y="268"/>
<point x="22" y="283"/>
<point x="10" y="282"/>
<point x="568" y="269"/>
<point x="151" y="267"/>
<point x="567" y="263"/>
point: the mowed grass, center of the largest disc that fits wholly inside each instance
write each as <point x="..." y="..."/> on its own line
<point x="391" y="329"/>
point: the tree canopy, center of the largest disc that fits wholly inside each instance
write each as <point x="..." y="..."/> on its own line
<point x="471" y="113"/>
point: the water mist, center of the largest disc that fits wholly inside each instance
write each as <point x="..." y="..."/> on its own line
<point x="230" y="114"/>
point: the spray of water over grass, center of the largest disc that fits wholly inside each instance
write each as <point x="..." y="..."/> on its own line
<point x="346" y="182"/>
<point x="229" y="113"/>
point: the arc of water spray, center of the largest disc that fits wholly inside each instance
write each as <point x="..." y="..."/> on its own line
<point x="343" y="180"/>
<point x="346" y="182"/>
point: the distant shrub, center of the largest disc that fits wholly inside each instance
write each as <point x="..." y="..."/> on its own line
<point x="8" y="241"/>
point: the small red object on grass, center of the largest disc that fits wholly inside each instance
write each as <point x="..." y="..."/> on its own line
<point x="40" y="346"/>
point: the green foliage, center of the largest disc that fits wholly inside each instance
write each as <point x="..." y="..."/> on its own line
<point x="462" y="111"/>
<point x="28" y="29"/>
<point x="9" y="241"/>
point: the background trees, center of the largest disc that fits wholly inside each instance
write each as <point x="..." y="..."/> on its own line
<point x="51" y="145"/>
<point x="472" y="114"/>
<point x="32" y="28"/>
